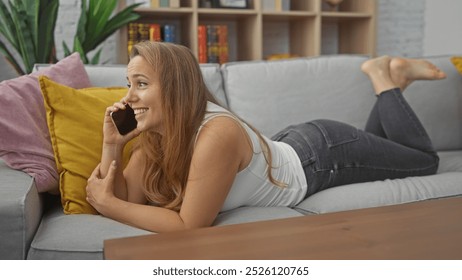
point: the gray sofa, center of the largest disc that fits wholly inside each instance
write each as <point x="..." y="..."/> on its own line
<point x="269" y="95"/>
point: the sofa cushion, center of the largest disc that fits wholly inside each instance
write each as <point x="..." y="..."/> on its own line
<point x="274" y="94"/>
<point x="75" y="120"/>
<point x="25" y="142"/>
<point x="71" y="237"/>
<point x="254" y="214"/>
<point x="20" y="212"/>
<point x="383" y="193"/>
<point x="450" y="161"/>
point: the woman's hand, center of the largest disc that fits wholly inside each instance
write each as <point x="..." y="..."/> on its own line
<point x="100" y="192"/>
<point x="110" y="132"/>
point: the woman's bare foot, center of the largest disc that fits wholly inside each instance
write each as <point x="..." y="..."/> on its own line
<point x="404" y="71"/>
<point x="378" y="70"/>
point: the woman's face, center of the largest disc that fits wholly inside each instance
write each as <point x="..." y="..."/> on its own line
<point x="144" y="94"/>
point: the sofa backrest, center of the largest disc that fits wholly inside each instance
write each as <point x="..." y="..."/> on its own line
<point x="438" y="104"/>
<point x="271" y="95"/>
<point x="115" y="75"/>
<point x="274" y="94"/>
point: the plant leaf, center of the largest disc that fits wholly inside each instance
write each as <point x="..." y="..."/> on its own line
<point x="24" y="37"/>
<point x="7" y="25"/>
<point x="78" y="48"/>
<point x="95" y="59"/>
<point x="46" y="39"/>
<point x="66" y="49"/>
<point x="10" y="58"/>
<point x="99" y="13"/>
<point x="119" y="20"/>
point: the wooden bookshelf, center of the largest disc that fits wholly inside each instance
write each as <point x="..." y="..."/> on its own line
<point x="255" y="31"/>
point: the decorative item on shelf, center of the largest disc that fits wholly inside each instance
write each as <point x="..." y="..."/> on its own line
<point x="281" y="56"/>
<point x="333" y="4"/>
<point x="232" y="4"/>
<point x="275" y="5"/>
<point x="205" y="4"/>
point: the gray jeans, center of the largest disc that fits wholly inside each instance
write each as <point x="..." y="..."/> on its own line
<point x="393" y="145"/>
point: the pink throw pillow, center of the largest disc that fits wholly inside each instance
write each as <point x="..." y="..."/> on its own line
<point x="25" y="140"/>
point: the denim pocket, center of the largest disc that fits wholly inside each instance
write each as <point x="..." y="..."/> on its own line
<point x="336" y="133"/>
<point x="297" y="138"/>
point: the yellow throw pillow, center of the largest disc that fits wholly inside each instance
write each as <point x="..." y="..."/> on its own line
<point x="457" y="61"/>
<point x="75" y="121"/>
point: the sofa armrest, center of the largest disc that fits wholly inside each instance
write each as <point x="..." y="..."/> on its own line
<point x="21" y="209"/>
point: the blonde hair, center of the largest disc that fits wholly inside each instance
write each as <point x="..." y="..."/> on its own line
<point x="184" y="102"/>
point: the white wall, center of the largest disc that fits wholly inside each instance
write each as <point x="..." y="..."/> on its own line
<point x="443" y="27"/>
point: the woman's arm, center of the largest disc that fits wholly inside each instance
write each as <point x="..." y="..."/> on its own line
<point x="113" y="146"/>
<point x="222" y="149"/>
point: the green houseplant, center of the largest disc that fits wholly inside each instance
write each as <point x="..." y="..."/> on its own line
<point x="96" y="25"/>
<point x="28" y="26"/>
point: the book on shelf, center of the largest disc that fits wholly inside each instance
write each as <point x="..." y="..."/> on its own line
<point x="138" y="32"/>
<point x="155" y="32"/>
<point x="213" y="44"/>
<point x="169" y="33"/>
<point x="155" y="3"/>
<point x="202" y="40"/>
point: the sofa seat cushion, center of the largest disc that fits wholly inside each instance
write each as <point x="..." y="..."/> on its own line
<point x="20" y="212"/>
<point x="450" y="161"/>
<point x="254" y="214"/>
<point x="79" y="236"/>
<point x="383" y="193"/>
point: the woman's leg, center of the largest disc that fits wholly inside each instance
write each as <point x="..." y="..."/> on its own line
<point x="391" y="116"/>
<point x="334" y="153"/>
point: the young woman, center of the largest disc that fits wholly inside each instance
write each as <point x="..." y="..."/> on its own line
<point x="194" y="159"/>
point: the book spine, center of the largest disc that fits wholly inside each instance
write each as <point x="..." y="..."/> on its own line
<point x="132" y="32"/>
<point x="154" y="32"/>
<point x="164" y="3"/>
<point x="223" y="44"/>
<point x="212" y="44"/>
<point x="202" y="41"/>
<point x="143" y="32"/>
<point x="278" y="5"/>
<point x="155" y="4"/>
<point x="169" y="33"/>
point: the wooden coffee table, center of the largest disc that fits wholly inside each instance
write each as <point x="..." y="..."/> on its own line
<point x="421" y="230"/>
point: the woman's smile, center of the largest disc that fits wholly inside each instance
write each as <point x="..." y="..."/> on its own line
<point x="139" y="111"/>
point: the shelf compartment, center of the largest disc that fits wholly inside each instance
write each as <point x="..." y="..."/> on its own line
<point x="352" y="35"/>
<point x="241" y="34"/>
<point x="292" y="35"/>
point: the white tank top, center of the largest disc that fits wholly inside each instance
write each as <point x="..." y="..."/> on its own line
<point x="251" y="186"/>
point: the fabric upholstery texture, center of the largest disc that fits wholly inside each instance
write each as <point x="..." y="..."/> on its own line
<point x="383" y="193"/>
<point x="75" y="121"/>
<point x="25" y="143"/>
<point x="20" y="212"/>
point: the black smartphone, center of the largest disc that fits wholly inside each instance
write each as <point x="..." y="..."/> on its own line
<point x="124" y="120"/>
